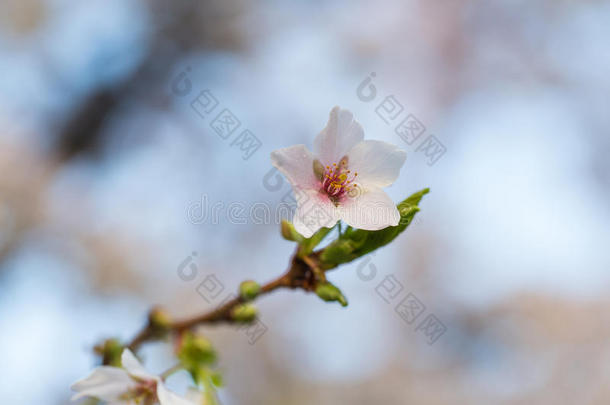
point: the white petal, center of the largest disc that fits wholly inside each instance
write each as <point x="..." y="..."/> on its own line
<point x="340" y="135"/>
<point x="134" y="367"/>
<point x="372" y="210"/>
<point x="105" y="383"/>
<point x="296" y="163"/>
<point x="314" y="211"/>
<point x="377" y="163"/>
<point x="167" y="397"/>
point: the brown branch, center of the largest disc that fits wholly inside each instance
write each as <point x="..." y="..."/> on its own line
<point x="223" y="313"/>
<point x="301" y="274"/>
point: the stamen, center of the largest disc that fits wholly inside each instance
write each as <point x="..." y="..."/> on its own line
<point x="337" y="181"/>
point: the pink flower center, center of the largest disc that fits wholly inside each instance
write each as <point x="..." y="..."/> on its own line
<point x="338" y="180"/>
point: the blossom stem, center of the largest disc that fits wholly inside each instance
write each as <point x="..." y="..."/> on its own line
<point x="223" y="313"/>
<point x="171" y="371"/>
<point x="299" y="275"/>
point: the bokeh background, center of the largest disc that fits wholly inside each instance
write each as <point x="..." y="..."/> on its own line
<point x="102" y="160"/>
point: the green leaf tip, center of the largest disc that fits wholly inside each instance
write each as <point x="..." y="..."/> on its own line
<point x="355" y="243"/>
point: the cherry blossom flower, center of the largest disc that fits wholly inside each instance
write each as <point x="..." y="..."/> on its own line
<point x="129" y="385"/>
<point x="343" y="179"/>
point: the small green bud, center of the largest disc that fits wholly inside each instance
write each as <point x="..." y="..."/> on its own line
<point x="330" y="293"/>
<point x="244" y="313"/>
<point x="289" y="233"/>
<point x="249" y="290"/>
<point x="159" y="320"/>
<point x="110" y="351"/>
<point x="196" y="354"/>
<point x="196" y="351"/>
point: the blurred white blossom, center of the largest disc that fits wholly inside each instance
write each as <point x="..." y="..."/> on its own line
<point x="125" y="386"/>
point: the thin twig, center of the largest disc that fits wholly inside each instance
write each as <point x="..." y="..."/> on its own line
<point x="297" y="276"/>
<point x="223" y="313"/>
<point x="171" y="371"/>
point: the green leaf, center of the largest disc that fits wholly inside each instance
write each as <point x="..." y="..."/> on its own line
<point x="355" y="243"/>
<point x="330" y="293"/>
